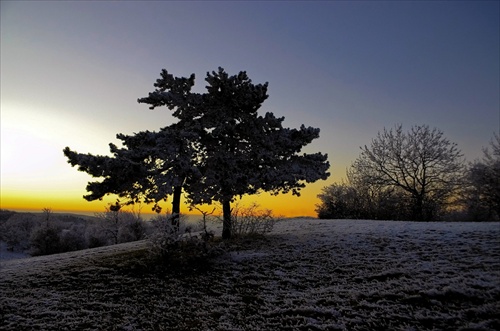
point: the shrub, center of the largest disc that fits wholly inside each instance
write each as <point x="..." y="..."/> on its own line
<point x="248" y="221"/>
<point x="16" y="231"/>
<point x="72" y="239"/>
<point x="94" y="236"/>
<point x="115" y="226"/>
<point x="180" y="247"/>
<point x="132" y="228"/>
<point x="45" y="240"/>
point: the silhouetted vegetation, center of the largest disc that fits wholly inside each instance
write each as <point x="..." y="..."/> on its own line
<point x="219" y="149"/>
<point x="482" y="195"/>
<point x="50" y="233"/>
<point x="419" y="176"/>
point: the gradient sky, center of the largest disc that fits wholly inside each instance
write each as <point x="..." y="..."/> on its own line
<point x="71" y="73"/>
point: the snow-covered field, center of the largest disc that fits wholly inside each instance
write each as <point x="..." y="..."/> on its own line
<point x="307" y="275"/>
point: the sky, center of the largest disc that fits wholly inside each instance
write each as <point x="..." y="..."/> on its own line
<point x="71" y="74"/>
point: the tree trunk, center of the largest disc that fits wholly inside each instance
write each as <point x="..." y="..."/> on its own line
<point x="176" y="207"/>
<point x="418" y="209"/>
<point x="226" y="224"/>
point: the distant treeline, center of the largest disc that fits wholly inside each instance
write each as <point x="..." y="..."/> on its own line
<point x="417" y="175"/>
<point x="48" y="233"/>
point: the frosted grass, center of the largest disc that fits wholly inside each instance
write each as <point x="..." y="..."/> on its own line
<point x="307" y="274"/>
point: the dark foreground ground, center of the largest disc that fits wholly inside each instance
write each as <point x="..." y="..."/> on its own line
<point x="307" y="275"/>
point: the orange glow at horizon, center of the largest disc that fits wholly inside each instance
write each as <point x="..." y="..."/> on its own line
<point x="285" y="205"/>
<point x="35" y="174"/>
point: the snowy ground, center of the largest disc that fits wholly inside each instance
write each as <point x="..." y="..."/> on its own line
<point x="307" y="275"/>
<point x="5" y="254"/>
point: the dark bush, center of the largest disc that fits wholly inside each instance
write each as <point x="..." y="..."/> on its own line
<point x="45" y="240"/>
<point x="72" y="239"/>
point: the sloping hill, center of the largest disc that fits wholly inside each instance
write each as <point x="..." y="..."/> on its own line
<point x="307" y="275"/>
<point x="49" y="264"/>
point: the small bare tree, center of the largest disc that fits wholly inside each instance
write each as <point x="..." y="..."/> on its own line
<point x="45" y="239"/>
<point x="421" y="162"/>
<point x="110" y="222"/>
<point x="251" y="220"/>
<point x="205" y="217"/>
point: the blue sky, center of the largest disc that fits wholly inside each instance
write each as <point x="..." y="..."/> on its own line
<point x="71" y="73"/>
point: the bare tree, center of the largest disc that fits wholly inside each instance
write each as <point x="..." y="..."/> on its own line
<point x="421" y="162"/>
